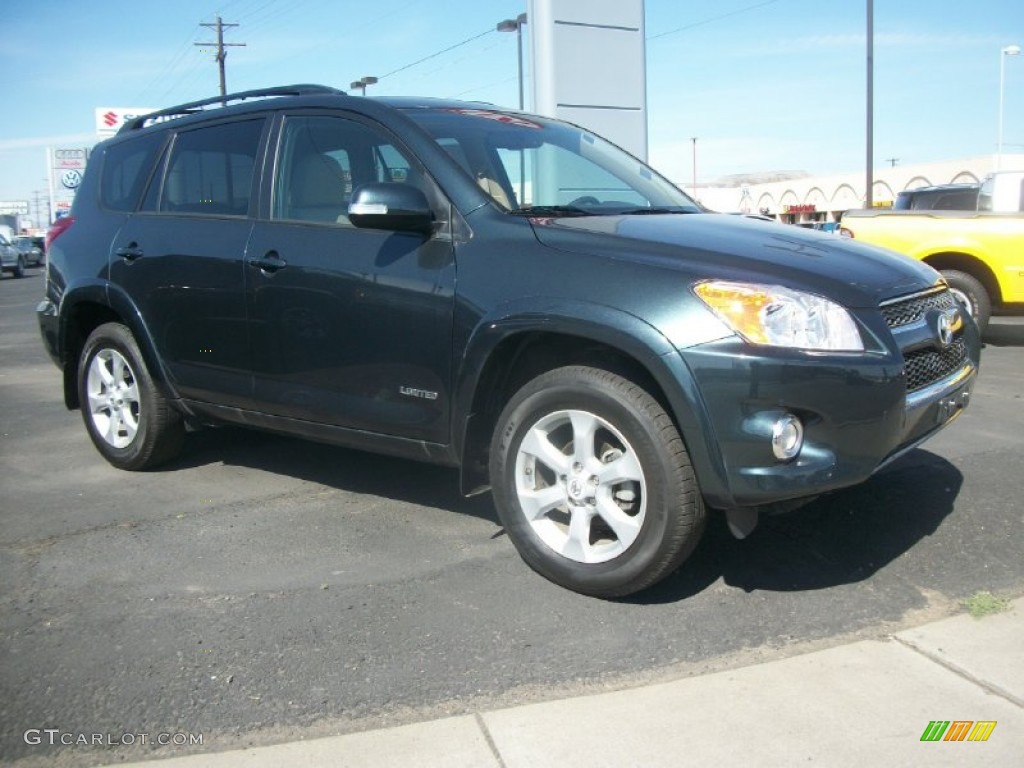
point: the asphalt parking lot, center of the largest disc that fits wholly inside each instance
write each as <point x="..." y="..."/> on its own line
<point x="262" y="589"/>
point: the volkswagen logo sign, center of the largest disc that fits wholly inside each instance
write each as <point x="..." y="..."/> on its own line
<point x="71" y="179"/>
<point x="948" y="323"/>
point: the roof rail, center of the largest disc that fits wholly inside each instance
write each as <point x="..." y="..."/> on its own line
<point x="197" y="106"/>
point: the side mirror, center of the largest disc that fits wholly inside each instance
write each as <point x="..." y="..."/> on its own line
<point x="390" y="205"/>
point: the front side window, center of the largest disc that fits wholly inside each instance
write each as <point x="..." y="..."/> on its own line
<point x="210" y="170"/>
<point x="323" y="159"/>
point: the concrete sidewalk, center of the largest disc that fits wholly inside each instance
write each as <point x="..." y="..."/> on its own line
<point x="867" y="703"/>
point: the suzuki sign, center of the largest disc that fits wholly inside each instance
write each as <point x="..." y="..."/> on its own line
<point x="110" y="119"/>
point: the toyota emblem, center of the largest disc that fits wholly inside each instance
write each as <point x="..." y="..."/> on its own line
<point x="948" y="323"/>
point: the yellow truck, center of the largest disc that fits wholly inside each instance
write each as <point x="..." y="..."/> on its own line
<point x="980" y="252"/>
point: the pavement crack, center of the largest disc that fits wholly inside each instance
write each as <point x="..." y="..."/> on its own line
<point x="482" y="724"/>
<point x="961" y="672"/>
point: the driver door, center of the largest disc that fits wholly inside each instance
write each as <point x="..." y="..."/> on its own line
<point x="349" y="327"/>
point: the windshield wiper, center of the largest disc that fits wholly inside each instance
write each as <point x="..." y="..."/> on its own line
<point x="551" y="210"/>
<point x="650" y="211"/>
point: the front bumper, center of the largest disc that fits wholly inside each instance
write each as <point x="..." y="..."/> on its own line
<point x="932" y="408"/>
<point x="856" y="414"/>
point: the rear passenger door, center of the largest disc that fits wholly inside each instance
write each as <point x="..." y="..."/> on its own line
<point x="349" y="327"/>
<point x="180" y="259"/>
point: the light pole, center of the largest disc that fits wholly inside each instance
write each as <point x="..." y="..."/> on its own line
<point x="362" y="83"/>
<point x="1010" y="50"/>
<point x="694" y="140"/>
<point x="516" y="25"/>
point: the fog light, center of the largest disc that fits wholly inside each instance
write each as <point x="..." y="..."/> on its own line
<point x="787" y="437"/>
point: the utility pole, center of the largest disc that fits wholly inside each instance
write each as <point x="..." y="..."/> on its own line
<point x="221" y="53"/>
<point x="892" y="161"/>
<point x="37" y="195"/>
<point x="869" y="181"/>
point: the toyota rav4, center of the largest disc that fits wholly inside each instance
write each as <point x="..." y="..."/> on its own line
<point x="497" y="291"/>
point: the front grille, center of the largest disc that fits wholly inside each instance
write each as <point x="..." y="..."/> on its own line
<point x="911" y="310"/>
<point x="929" y="365"/>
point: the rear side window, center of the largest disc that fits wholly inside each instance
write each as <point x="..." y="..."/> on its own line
<point x="126" y="167"/>
<point x="210" y="170"/>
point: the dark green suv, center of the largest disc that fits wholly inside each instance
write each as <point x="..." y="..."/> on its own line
<point x="497" y="291"/>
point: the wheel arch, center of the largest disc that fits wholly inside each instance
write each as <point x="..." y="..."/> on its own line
<point x="83" y="310"/>
<point x="505" y="353"/>
<point x="970" y="264"/>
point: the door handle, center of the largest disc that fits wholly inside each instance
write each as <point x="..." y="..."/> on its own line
<point x="271" y="262"/>
<point x="130" y="252"/>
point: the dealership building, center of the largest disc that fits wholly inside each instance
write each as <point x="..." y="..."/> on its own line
<point x="802" y="199"/>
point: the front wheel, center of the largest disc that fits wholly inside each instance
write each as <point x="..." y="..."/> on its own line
<point x="19" y="268"/>
<point x="593" y="483"/>
<point x="127" y="418"/>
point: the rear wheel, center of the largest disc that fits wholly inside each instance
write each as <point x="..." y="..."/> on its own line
<point x="972" y="294"/>
<point x="593" y="483"/>
<point x="129" y="421"/>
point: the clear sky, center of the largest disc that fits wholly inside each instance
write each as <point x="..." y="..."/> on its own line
<point x="763" y="85"/>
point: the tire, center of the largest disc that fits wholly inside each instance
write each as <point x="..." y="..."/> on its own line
<point x="19" y="269"/>
<point x="611" y="517"/>
<point x="972" y="294"/>
<point x="131" y="424"/>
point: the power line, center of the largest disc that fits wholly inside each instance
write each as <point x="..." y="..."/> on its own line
<point x="439" y="53"/>
<point x="168" y="70"/>
<point x="470" y="54"/>
<point x="713" y="18"/>
<point x="274" y="14"/>
<point x="257" y="10"/>
<point x="371" y="21"/>
<point x="195" y="67"/>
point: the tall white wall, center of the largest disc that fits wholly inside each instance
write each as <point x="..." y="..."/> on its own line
<point x="589" y="66"/>
<point x="831" y="195"/>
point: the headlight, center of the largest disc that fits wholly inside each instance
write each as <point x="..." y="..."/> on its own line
<point x="781" y="317"/>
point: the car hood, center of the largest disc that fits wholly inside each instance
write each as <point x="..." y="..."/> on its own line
<point x="721" y="246"/>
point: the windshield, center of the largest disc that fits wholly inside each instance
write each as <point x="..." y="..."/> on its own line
<point x="531" y="165"/>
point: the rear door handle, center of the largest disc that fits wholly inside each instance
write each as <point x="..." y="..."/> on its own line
<point x="130" y="252"/>
<point x="271" y="262"/>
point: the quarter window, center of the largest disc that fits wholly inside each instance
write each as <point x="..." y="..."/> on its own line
<point x="126" y="166"/>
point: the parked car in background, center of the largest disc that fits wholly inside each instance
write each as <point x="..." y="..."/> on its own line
<point x="942" y="197"/>
<point x="11" y="259"/>
<point x="978" y="250"/>
<point x="829" y="227"/>
<point x="31" y="249"/>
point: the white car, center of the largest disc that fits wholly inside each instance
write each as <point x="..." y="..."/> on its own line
<point x="30" y="248"/>
<point x="10" y="259"/>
